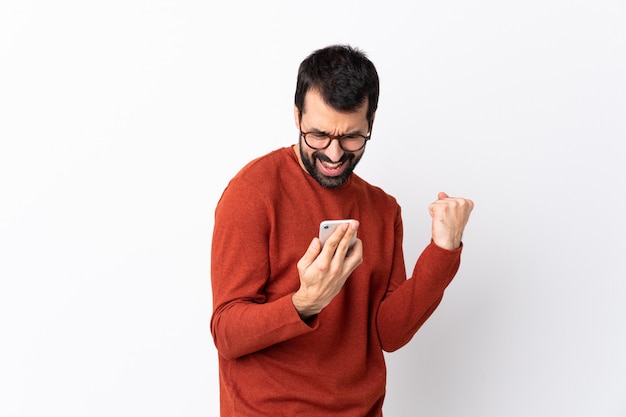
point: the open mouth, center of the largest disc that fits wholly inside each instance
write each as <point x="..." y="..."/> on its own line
<point x="331" y="169"/>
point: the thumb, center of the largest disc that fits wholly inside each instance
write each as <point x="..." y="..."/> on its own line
<point x="434" y="206"/>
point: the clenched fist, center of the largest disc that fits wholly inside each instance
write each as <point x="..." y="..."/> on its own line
<point x="450" y="215"/>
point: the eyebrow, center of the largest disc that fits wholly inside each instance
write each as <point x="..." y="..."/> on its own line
<point x="353" y="132"/>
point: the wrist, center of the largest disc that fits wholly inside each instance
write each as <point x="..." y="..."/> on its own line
<point x="448" y="244"/>
<point x="450" y="248"/>
<point x="305" y="309"/>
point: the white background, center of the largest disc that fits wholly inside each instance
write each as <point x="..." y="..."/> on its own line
<point x="122" y="121"/>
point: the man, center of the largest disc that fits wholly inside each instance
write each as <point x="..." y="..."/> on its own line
<point x="300" y="328"/>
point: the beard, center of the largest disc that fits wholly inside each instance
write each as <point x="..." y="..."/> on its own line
<point x="326" y="181"/>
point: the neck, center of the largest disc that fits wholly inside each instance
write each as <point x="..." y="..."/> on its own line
<point x="296" y="149"/>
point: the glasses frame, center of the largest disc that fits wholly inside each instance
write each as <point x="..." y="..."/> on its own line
<point x="338" y="137"/>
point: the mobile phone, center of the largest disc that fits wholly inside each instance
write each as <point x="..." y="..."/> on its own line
<point x="327" y="227"/>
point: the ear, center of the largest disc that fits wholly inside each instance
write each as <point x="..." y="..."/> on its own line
<point x="296" y="116"/>
<point x="372" y="122"/>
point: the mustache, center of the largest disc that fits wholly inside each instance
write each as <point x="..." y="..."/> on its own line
<point x="322" y="157"/>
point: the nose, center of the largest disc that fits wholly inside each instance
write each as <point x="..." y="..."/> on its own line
<point x="334" y="151"/>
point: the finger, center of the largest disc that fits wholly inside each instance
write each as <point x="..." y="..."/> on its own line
<point x="311" y="254"/>
<point x="332" y="243"/>
<point x="437" y="208"/>
<point x="461" y="205"/>
<point x="346" y="241"/>
<point x="435" y="205"/>
<point x="343" y="266"/>
<point x="344" y="232"/>
<point x="354" y="257"/>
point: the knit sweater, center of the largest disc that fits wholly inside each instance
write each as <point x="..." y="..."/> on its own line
<point x="272" y="363"/>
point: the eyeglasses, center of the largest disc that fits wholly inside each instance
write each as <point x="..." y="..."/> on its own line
<point x="349" y="143"/>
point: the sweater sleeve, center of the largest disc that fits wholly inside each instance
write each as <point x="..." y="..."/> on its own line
<point x="408" y="303"/>
<point x="243" y="320"/>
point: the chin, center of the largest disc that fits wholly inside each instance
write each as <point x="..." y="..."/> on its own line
<point x="324" y="180"/>
<point x="331" y="182"/>
<point x="328" y="181"/>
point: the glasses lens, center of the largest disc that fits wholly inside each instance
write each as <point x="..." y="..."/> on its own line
<point x="352" y="143"/>
<point x="317" y="140"/>
<point x="348" y="143"/>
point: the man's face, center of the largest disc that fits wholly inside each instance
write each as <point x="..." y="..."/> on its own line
<point x="332" y="166"/>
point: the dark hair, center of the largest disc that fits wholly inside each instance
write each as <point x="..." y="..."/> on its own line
<point x="344" y="77"/>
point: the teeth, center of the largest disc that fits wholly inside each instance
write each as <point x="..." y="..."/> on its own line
<point x="333" y="165"/>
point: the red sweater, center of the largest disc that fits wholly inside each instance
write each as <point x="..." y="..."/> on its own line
<point x="271" y="362"/>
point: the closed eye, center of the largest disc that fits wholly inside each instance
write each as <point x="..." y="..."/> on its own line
<point x="351" y="137"/>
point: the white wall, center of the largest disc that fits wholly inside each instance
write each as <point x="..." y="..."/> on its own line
<point x="122" y="121"/>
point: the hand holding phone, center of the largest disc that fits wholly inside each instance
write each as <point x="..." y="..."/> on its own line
<point x="327" y="227"/>
<point x="319" y="282"/>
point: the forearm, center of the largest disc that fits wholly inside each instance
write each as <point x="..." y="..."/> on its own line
<point x="240" y="328"/>
<point x="405" y="309"/>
